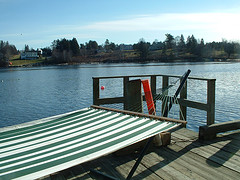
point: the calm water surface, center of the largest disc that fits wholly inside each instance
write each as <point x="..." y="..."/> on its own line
<point x="28" y="94"/>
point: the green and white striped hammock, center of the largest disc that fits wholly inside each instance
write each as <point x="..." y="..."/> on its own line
<point x="46" y="146"/>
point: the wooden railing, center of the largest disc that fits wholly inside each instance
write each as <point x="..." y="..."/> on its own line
<point x="209" y="107"/>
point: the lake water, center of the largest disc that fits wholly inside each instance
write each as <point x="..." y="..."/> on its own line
<point x="28" y="94"/>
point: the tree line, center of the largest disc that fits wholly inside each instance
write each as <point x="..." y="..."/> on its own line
<point x="178" y="48"/>
<point x="6" y="51"/>
<point x="172" y="48"/>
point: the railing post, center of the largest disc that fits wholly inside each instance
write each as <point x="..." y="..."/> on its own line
<point x="95" y="91"/>
<point x="153" y="85"/>
<point x="134" y="96"/>
<point x="183" y="109"/>
<point x="165" y="82"/>
<point x="211" y="101"/>
<point x="125" y="92"/>
<point x="153" y="82"/>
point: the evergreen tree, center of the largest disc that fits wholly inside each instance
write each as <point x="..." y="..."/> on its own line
<point x="229" y="48"/>
<point x="200" y="48"/>
<point x="92" y="47"/>
<point x="169" y="41"/>
<point x="26" y="48"/>
<point x="109" y="46"/>
<point x="143" y="48"/>
<point x="192" y="45"/>
<point x="106" y="45"/>
<point x="75" y="47"/>
<point x="6" y="51"/>
<point x="182" y="44"/>
<point x="47" y="51"/>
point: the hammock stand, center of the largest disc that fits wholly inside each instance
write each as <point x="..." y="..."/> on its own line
<point x="39" y="148"/>
<point x="151" y="110"/>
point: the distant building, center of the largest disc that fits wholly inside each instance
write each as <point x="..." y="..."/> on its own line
<point x="126" y="47"/>
<point x="31" y="54"/>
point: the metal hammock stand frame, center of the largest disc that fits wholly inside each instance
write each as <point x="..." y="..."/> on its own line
<point x="144" y="150"/>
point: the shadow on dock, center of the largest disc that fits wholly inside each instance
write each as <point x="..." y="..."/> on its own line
<point x="185" y="158"/>
<point x="227" y="151"/>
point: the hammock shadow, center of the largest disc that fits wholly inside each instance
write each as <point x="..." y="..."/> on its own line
<point x="164" y="156"/>
<point x="120" y="166"/>
<point x="185" y="152"/>
<point x="214" y="153"/>
<point x="158" y="160"/>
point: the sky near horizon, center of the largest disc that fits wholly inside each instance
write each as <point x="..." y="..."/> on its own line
<point x="39" y="23"/>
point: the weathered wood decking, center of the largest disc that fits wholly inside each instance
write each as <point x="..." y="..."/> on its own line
<point x="184" y="158"/>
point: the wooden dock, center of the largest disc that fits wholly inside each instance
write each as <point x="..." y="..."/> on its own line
<point x="185" y="158"/>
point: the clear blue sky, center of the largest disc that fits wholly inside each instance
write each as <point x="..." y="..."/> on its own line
<point x="38" y="23"/>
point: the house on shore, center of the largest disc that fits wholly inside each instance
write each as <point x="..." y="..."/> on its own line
<point x="31" y="54"/>
<point x="126" y="47"/>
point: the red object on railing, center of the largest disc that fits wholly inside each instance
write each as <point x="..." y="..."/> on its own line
<point x="148" y="97"/>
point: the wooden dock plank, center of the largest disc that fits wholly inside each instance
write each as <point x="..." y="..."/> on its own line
<point x="80" y="173"/>
<point x="198" y="164"/>
<point x="212" y="153"/>
<point x="162" y="166"/>
<point x="185" y="158"/>
<point x="118" y="167"/>
<point x="189" y="162"/>
<point x="227" y="142"/>
<point x="183" y="167"/>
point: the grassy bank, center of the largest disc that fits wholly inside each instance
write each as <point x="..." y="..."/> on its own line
<point x="16" y="61"/>
<point x="125" y="56"/>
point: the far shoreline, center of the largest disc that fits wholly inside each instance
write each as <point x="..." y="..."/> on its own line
<point x="44" y="63"/>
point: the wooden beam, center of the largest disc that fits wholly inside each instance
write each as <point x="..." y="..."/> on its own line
<point x="154" y="87"/>
<point x="188" y="103"/>
<point x="193" y="104"/>
<point x="110" y="100"/>
<point x="149" y="75"/>
<point x="134" y="96"/>
<point x="95" y="91"/>
<point x="125" y="82"/>
<point x="209" y="132"/>
<point x="140" y="114"/>
<point x="211" y="102"/>
<point x="165" y="82"/>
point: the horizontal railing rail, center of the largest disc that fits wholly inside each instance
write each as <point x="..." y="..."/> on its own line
<point x="209" y="107"/>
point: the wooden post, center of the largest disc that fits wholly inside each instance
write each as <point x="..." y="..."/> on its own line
<point x="153" y="85"/>
<point x="134" y="96"/>
<point x="183" y="109"/>
<point x="95" y="91"/>
<point x="153" y="82"/>
<point x="211" y="101"/>
<point x="165" y="80"/>
<point x="125" y="82"/>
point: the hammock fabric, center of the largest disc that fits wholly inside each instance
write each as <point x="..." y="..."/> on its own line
<point x="46" y="146"/>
